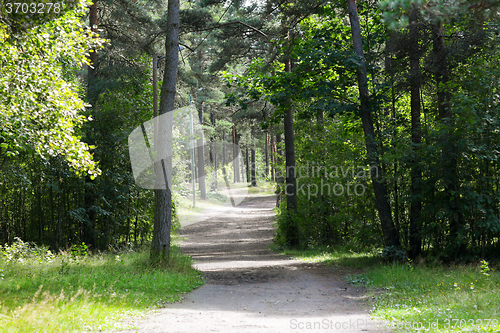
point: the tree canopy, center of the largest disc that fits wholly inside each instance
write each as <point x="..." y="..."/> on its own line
<point x="378" y="120"/>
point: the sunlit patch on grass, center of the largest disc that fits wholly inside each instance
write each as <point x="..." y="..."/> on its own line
<point x="336" y="256"/>
<point x="459" y="299"/>
<point x="88" y="293"/>
<point x="439" y="299"/>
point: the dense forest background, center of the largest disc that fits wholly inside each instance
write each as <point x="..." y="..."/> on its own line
<point x="379" y="120"/>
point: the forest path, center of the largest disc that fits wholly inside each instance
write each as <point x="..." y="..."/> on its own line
<point x="249" y="288"/>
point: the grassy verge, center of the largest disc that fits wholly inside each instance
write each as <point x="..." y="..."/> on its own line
<point x="434" y="299"/>
<point x="78" y="292"/>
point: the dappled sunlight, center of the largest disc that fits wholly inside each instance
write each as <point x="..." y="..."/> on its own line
<point x="249" y="288"/>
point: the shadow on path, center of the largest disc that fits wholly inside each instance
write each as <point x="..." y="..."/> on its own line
<point x="252" y="289"/>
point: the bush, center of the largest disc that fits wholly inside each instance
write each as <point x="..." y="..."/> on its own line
<point x="20" y="251"/>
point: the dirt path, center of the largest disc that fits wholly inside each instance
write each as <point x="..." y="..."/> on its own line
<point x="252" y="289"/>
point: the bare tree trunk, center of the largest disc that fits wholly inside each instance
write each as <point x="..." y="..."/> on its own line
<point x="93" y="54"/>
<point x="279" y="159"/>
<point x="390" y="73"/>
<point x="213" y="151"/>
<point x="247" y="159"/>
<point x="160" y="247"/>
<point x="292" y="231"/>
<point x="236" y="158"/>
<point x="273" y="159"/>
<point x="201" y="157"/>
<point x="416" y="172"/>
<point x="267" y="155"/>
<point x="89" y="195"/>
<point x="253" y="168"/>
<point x="224" y="161"/>
<point x="384" y="209"/>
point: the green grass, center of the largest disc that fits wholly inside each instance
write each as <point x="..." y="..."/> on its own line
<point x="449" y="299"/>
<point x="88" y="293"/>
<point x="336" y="257"/>
<point x="457" y="298"/>
<point x="262" y="188"/>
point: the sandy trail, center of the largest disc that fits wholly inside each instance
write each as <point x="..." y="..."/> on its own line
<point x="252" y="289"/>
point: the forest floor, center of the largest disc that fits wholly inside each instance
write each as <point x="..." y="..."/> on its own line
<point x="250" y="288"/>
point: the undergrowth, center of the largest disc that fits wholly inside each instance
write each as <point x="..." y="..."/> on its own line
<point x="417" y="298"/>
<point x="76" y="291"/>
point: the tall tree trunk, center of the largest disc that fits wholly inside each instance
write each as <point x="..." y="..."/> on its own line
<point x="201" y="157"/>
<point x="236" y="156"/>
<point x="390" y="74"/>
<point x="384" y="209"/>
<point x="91" y="91"/>
<point x="273" y="158"/>
<point x="89" y="195"/>
<point x="442" y="74"/>
<point x="456" y="244"/>
<point x="247" y="159"/>
<point x="253" y="168"/>
<point x="266" y="147"/>
<point x="213" y="152"/>
<point x="416" y="172"/>
<point x="292" y="230"/>
<point x="160" y="247"/>
<point x="224" y="161"/>
<point x="279" y="159"/>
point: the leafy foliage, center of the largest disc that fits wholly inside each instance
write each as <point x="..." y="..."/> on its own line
<point x="40" y="106"/>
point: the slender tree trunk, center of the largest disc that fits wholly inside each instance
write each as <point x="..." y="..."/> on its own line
<point x="160" y="248"/>
<point x="89" y="195"/>
<point x="253" y="168"/>
<point x="266" y="147"/>
<point x="91" y="93"/>
<point x="201" y="157"/>
<point x="224" y="161"/>
<point x="456" y="244"/>
<point x="442" y="72"/>
<point x="280" y="177"/>
<point x="273" y="159"/>
<point x="292" y="230"/>
<point x="416" y="172"/>
<point x="279" y="153"/>
<point x="136" y="220"/>
<point x="213" y="151"/>
<point x="236" y="156"/>
<point x="384" y="209"/>
<point x="247" y="159"/>
<point x="390" y="73"/>
<point x="242" y="171"/>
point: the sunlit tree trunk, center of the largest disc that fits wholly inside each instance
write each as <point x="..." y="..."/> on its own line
<point x="160" y="248"/>
<point x="253" y="167"/>
<point x="236" y="158"/>
<point x="201" y="157"/>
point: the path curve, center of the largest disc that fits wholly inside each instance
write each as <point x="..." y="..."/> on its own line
<point x="252" y="289"/>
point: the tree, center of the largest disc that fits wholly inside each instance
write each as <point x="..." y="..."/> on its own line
<point x="292" y="234"/>
<point x="416" y="172"/>
<point x="39" y="103"/>
<point x="379" y="187"/>
<point x="160" y="247"/>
